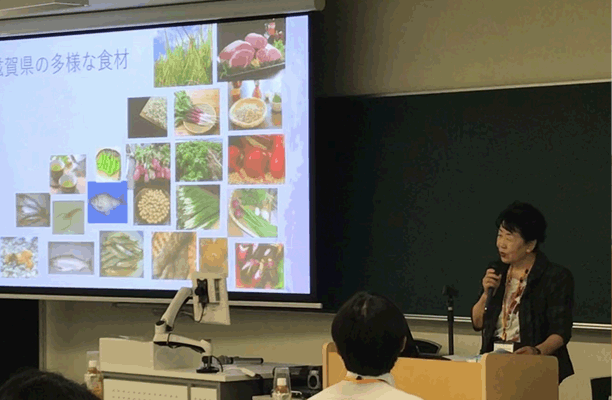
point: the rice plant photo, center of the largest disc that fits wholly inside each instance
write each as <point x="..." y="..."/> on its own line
<point x="183" y="56"/>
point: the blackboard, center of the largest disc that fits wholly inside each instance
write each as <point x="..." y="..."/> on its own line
<point x="407" y="190"/>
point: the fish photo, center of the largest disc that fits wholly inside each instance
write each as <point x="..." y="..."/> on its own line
<point x="174" y="255"/>
<point x="19" y="257"/>
<point x="121" y="254"/>
<point x="73" y="258"/>
<point x="107" y="202"/>
<point x="33" y="209"/>
<point x="68" y="217"/>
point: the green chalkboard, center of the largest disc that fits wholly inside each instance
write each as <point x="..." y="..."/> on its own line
<point x="407" y="190"/>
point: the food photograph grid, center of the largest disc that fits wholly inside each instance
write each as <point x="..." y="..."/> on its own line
<point x="195" y="184"/>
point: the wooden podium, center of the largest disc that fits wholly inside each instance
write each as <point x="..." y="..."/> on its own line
<point x="494" y="377"/>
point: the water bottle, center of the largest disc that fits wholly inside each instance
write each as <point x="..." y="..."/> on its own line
<point x="93" y="377"/>
<point x="282" y="384"/>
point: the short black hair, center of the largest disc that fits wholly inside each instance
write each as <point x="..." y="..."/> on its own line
<point x="33" y="384"/>
<point x="369" y="330"/>
<point x="524" y="219"/>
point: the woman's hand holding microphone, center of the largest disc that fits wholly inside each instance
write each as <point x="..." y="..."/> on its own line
<point x="491" y="280"/>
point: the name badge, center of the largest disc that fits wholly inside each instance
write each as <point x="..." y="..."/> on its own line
<point x="507" y="346"/>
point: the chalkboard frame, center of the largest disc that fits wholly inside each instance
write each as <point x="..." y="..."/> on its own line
<point x="335" y="244"/>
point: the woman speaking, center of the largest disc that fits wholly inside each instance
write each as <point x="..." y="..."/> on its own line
<point x="532" y="298"/>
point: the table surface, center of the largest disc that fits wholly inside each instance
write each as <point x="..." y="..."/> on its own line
<point x="231" y="373"/>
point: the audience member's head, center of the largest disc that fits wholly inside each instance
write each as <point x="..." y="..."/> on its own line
<point x="32" y="384"/>
<point x="370" y="333"/>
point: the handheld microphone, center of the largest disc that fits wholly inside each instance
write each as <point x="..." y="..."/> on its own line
<point x="491" y="290"/>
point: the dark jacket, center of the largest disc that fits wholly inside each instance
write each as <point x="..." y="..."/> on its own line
<point x="545" y="308"/>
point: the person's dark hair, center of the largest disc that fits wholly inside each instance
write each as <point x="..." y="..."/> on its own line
<point x="33" y="384"/>
<point x="369" y="331"/>
<point x="524" y="219"/>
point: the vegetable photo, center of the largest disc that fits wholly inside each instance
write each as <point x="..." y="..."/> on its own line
<point x="183" y="56"/>
<point x="253" y="212"/>
<point x="197" y="207"/>
<point x="260" y="266"/>
<point x="196" y="112"/>
<point x="258" y="159"/>
<point x="199" y="161"/>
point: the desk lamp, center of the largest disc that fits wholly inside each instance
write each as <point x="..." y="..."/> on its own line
<point x="210" y="305"/>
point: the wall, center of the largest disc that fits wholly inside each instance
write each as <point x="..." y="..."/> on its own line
<point x="372" y="46"/>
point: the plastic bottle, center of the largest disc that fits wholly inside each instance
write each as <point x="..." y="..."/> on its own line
<point x="257" y="91"/>
<point x="281" y="390"/>
<point x="93" y="378"/>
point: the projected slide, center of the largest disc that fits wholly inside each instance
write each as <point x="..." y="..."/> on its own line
<point x="133" y="159"/>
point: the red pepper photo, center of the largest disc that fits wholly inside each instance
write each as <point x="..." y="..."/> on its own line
<point x="258" y="159"/>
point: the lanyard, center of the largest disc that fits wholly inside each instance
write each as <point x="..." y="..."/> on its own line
<point x="360" y="381"/>
<point x="509" y="298"/>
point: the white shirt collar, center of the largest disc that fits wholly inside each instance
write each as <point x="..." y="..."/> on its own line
<point x="385" y="377"/>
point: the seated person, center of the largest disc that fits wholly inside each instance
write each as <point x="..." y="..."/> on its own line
<point x="370" y="332"/>
<point x="32" y="384"/>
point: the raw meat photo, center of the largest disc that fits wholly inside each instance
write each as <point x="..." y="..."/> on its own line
<point x="251" y="50"/>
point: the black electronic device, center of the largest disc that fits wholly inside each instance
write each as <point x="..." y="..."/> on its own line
<point x="314" y="380"/>
<point x="600" y="388"/>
